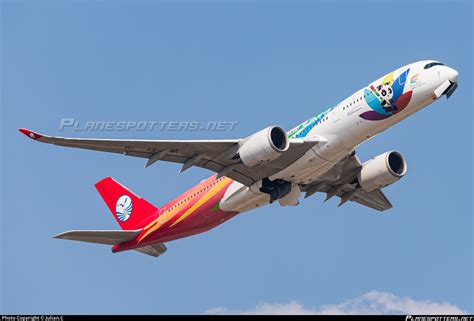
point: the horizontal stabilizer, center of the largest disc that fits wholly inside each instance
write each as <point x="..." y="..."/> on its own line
<point x="101" y="237"/>
<point x="153" y="250"/>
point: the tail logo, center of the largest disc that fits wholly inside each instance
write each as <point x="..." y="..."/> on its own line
<point x="123" y="208"/>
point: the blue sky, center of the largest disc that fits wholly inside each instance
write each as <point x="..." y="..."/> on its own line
<point x="256" y="63"/>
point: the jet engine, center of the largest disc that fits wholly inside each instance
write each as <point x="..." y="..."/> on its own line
<point x="263" y="146"/>
<point x="382" y="170"/>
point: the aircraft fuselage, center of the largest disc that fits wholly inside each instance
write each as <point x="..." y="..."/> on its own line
<point x="341" y="128"/>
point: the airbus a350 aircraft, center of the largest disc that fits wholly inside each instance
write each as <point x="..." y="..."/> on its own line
<point x="269" y="166"/>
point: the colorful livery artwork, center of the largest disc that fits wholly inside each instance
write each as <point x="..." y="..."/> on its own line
<point x="387" y="98"/>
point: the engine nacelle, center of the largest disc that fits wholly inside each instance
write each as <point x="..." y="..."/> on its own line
<point x="263" y="146"/>
<point x="381" y="171"/>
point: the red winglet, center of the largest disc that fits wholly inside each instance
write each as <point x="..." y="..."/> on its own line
<point x="30" y="134"/>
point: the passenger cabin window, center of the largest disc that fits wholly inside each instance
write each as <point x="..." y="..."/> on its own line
<point x="432" y="64"/>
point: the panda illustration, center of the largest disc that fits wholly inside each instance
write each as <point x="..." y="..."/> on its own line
<point x="386" y="95"/>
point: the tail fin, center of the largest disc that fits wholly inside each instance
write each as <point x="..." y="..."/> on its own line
<point x="130" y="210"/>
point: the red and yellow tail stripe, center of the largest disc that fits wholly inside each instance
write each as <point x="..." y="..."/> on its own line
<point x="177" y="215"/>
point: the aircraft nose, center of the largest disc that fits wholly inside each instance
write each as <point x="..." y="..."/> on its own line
<point x="452" y="74"/>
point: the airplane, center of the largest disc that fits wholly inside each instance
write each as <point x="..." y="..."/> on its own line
<point x="268" y="166"/>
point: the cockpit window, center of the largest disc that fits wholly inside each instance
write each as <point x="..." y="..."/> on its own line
<point x="432" y="64"/>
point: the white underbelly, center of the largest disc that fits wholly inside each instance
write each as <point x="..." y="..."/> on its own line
<point x="241" y="198"/>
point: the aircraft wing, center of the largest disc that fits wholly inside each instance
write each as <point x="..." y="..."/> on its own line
<point x="339" y="181"/>
<point x="215" y="155"/>
<point x="376" y="199"/>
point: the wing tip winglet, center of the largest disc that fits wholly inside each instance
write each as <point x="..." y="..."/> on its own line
<point x="61" y="235"/>
<point x="30" y="134"/>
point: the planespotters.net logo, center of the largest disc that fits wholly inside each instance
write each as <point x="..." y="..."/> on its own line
<point x="123" y="208"/>
<point x="112" y="125"/>
<point x="438" y="318"/>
